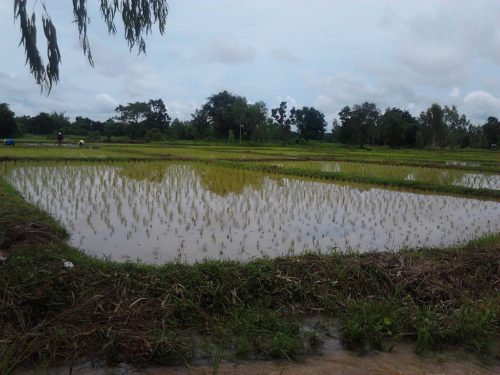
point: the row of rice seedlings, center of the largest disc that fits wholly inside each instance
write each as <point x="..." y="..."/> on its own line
<point x="159" y="212"/>
<point x="54" y="152"/>
<point x="403" y="173"/>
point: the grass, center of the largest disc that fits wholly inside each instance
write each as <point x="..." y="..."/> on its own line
<point x="357" y="175"/>
<point x="140" y="314"/>
<point x="442" y="176"/>
<point x="376" y="166"/>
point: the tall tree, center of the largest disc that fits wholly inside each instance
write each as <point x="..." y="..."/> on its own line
<point x="43" y="123"/>
<point x="133" y="113"/>
<point x="201" y="124"/>
<point x="138" y="17"/>
<point x="283" y="119"/>
<point x="434" y="125"/>
<point x="456" y="126"/>
<point x="142" y="117"/>
<point x="310" y="123"/>
<point x="8" y="125"/>
<point x="366" y="116"/>
<point x="397" y="128"/>
<point x="491" y="131"/>
<point x="358" y="123"/>
<point x="158" y="114"/>
<point x="226" y="111"/>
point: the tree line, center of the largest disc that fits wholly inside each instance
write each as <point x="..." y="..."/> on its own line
<point x="231" y="118"/>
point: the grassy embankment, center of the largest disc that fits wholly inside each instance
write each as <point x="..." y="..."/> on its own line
<point x="169" y="314"/>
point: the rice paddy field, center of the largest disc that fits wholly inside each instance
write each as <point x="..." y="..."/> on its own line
<point x="181" y="253"/>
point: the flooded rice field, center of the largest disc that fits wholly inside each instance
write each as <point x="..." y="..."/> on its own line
<point x="439" y="176"/>
<point x="160" y="212"/>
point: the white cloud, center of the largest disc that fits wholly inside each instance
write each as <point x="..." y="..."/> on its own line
<point x="106" y="102"/>
<point x="225" y="49"/>
<point x="455" y="92"/>
<point x="480" y="105"/>
<point x="283" y="55"/>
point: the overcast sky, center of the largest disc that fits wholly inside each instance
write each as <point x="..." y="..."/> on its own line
<point x="321" y="53"/>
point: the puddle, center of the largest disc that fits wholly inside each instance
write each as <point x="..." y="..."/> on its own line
<point x="462" y="163"/>
<point x="160" y="212"/>
<point x="401" y="361"/>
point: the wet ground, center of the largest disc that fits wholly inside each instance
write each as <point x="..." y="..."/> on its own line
<point x="401" y="361"/>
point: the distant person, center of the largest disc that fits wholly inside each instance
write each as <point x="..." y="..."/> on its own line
<point x="59" y="138"/>
<point x="81" y="143"/>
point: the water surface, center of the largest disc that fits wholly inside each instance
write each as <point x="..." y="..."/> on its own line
<point x="160" y="212"/>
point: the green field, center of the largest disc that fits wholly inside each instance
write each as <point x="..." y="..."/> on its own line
<point x="173" y="313"/>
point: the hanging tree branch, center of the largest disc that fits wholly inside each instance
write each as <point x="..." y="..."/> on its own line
<point x="138" y="17"/>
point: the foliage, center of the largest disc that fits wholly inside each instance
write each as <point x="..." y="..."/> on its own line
<point x="492" y="131"/>
<point x="283" y="120"/>
<point x="358" y="123"/>
<point x="140" y="118"/>
<point x="138" y="18"/>
<point x="8" y="125"/>
<point x="225" y="115"/>
<point x="310" y="123"/>
<point x="398" y="128"/>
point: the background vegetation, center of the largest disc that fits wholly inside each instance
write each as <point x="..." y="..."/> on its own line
<point x="230" y="118"/>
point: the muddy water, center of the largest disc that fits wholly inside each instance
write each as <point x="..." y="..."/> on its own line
<point x="401" y="361"/>
<point x="184" y="213"/>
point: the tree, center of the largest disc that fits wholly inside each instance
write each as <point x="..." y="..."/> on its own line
<point x="225" y="111"/>
<point x="310" y="123"/>
<point x="142" y="117"/>
<point x="397" y="128"/>
<point x="133" y="113"/>
<point x="456" y="126"/>
<point x="255" y="121"/>
<point x="283" y="120"/>
<point x="158" y="114"/>
<point x="358" y="123"/>
<point x="434" y="126"/>
<point x="8" y="125"/>
<point x="43" y="123"/>
<point x="366" y="116"/>
<point x="138" y="17"/>
<point x="201" y="124"/>
<point x="491" y="131"/>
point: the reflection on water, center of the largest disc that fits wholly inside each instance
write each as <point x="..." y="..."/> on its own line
<point x="182" y="214"/>
<point x="462" y="163"/>
<point x="478" y="181"/>
<point x="428" y="175"/>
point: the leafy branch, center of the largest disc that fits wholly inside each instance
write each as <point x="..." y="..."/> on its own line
<point x="138" y="18"/>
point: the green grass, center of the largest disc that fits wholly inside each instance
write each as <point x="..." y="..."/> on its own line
<point x="388" y="176"/>
<point x="378" y="166"/>
<point x="440" y="176"/>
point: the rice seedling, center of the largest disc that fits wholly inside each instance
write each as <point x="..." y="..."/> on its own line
<point x="165" y="211"/>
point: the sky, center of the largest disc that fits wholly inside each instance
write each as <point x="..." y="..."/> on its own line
<point x="321" y="53"/>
